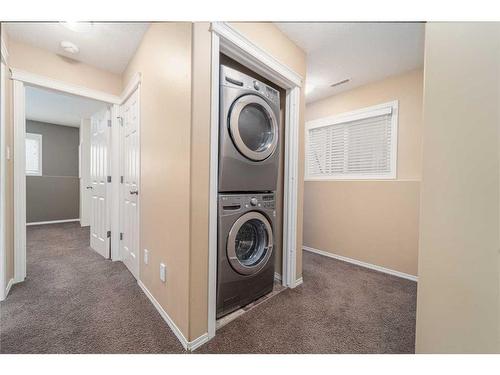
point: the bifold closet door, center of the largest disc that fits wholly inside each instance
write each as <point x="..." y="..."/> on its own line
<point x="129" y="195"/>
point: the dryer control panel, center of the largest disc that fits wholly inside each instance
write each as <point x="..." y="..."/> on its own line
<point x="233" y="78"/>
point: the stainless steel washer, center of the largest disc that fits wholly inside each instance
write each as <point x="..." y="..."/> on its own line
<point x="245" y="269"/>
<point x="249" y="133"/>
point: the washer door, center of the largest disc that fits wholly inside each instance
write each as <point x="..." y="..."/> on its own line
<point x="253" y="127"/>
<point x="250" y="243"/>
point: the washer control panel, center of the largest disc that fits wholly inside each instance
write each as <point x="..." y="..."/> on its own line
<point x="236" y="202"/>
<point x="261" y="201"/>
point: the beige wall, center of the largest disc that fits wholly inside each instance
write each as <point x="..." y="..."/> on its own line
<point x="164" y="59"/>
<point x="38" y="61"/>
<point x="458" y="291"/>
<point x="372" y="221"/>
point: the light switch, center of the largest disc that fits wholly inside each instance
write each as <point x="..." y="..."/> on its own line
<point x="163" y="272"/>
<point x="146" y="256"/>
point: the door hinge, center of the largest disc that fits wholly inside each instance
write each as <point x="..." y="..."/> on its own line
<point x="121" y="236"/>
<point x="121" y="179"/>
<point x="109" y="178"/>
<point x="121" y="120"/>
<point x="109" y="234"/>
<point x="109" y="123"/>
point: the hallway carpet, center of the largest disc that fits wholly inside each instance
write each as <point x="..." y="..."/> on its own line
<point x="340" y="308"/>
<point x="74" y="301"/>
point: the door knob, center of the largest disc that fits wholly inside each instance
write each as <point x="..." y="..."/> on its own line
<point x="136" y="192"/>
<point x="89" y="187"/>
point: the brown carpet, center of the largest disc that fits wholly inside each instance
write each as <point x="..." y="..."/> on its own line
<point x="74" y="301"/>
<point x="340" y="308"/>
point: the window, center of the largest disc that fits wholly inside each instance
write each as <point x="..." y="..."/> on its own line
<point x="33" y="154"/>
<point x="356" y="145"/>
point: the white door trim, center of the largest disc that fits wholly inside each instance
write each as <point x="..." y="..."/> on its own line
<point x="231" y="42"/>
<point x="237" y="46"/>
<point x="31" y="79"/>
<point x="18" y="99"/>
<point x="134" y="83"/>
<point x="3" y="165"/>
<point x="4" y="53"/>
<point x="20" y="80"/>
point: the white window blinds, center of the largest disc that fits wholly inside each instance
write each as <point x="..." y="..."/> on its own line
<point x="355" y="145"/>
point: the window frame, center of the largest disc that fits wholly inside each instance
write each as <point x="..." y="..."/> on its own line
<point x="39" y="139"/>
<point x="359" y="114"/>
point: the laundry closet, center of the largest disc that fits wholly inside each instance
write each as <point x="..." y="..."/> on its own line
<point x="250" y="186"/>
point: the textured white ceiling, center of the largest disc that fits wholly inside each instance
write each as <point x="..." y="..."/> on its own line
<point x="58" y="108"/>
<point x="108" y="46"/>
<point x="363" y="52"/>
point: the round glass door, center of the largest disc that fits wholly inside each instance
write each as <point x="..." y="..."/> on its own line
<point x="250" y="243"/>
<point x="253" y="127"/>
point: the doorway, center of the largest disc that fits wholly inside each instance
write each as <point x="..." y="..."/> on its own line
<point x="66" y="146"/>
<point x="107" y="164"/>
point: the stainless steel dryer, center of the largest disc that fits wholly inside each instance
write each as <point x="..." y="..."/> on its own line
<point x="249" y="133"/>
<point x="245" y="268"/>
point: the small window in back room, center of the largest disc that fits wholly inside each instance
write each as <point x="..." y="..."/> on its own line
<point x="357" y="145"/>
<point x="33" y="154"/>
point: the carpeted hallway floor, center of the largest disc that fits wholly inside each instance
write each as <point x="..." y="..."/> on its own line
<point x="340" y="308"/>
<point x="74" y="301"/>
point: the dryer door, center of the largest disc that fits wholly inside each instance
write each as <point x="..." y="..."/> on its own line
<point x="250" y="243"/>
<point x="253" y="127"/>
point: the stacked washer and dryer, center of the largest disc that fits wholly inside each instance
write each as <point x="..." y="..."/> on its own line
<point x="248" y="173"/>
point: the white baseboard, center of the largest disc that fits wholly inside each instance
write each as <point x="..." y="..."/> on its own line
<point x="362" y="264"/>
<point x="188" y="345"/>
<point x="7" y="289"/>
<point x="298" y="282"/>
<point x="52" y="222"/>
<point x="196" y="343"/>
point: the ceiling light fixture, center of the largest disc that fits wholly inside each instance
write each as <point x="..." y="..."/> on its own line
<point x="76" y="26"/>
<point x="69" y="47"/>
<point x="340" y="82"/>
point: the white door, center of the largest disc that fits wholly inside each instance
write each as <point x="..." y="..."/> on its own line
<point x="129" y="195"/>
<point x="99" y="141"/>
